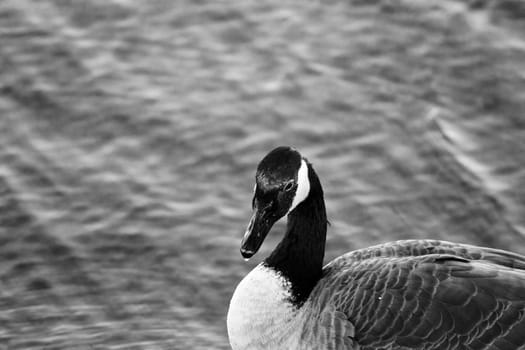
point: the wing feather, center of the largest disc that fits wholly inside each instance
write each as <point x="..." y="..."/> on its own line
<point x="429" y="295"/>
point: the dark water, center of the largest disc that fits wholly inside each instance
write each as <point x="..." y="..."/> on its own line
<point x="130" y="131"/>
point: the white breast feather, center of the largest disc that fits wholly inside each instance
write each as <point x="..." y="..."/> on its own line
<point x="261" y="315"/>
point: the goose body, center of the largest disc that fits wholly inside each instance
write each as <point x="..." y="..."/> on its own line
<point x="413" y="294"/>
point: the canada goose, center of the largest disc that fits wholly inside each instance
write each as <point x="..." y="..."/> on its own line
<point x="414" y="294"/>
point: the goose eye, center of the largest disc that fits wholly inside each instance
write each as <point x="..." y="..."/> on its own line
<point x="288" y="186"/>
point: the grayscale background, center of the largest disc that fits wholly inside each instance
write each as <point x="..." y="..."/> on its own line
<point x="130" y="131"/>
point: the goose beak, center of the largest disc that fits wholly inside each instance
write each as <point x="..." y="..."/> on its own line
<point x="259" y="226"/>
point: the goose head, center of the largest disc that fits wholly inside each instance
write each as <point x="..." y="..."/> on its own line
<point x="281" y="184"/>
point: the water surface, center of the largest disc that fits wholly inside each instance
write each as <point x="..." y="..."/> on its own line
<point x="130" y="132"/>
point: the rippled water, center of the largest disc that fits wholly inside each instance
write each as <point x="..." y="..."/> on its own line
<point x="130" y="132"/>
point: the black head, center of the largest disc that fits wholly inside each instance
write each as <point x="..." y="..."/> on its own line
<point x="281" y="184"/>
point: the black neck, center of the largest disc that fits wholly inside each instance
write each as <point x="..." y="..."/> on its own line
<point x="299" y="256"/>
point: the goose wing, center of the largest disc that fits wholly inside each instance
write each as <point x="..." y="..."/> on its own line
<point x="430" y="295"/>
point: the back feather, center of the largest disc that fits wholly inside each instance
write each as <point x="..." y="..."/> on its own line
<point x="424" y="295"/>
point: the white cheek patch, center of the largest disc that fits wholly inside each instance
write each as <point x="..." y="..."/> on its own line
<point x="303" y="186"/>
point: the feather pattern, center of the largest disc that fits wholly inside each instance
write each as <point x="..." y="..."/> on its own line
<point x="427" y="295"/>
